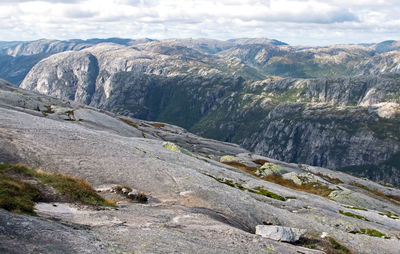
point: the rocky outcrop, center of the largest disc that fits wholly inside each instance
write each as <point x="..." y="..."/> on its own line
<point x="277" y="233"/>
<point x="18" y="58"/>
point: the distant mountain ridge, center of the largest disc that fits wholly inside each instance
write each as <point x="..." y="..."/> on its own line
<point x="267" y="56"/>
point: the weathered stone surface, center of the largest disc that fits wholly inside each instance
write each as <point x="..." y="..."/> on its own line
<point x="196" y="202"/>
<point x="278" y="233"/>
<point x="28" y="234"/>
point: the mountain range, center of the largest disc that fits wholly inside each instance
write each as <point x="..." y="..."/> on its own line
<point x="334" y="106"/>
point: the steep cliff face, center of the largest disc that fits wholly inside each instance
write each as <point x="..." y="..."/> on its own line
<point x="346" y="123"/>
<point x="17" y="58"/>
<point x="335" y="123"/>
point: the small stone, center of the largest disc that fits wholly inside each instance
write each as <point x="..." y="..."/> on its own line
<point x="324" y="234"/>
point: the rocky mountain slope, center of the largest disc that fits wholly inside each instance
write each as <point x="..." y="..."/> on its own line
<point x="228" y="90"/>
<point x="204" y="195"/>
<point x="17" y="57"/>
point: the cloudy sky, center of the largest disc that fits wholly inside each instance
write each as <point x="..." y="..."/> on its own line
<point x="297" y="22"/>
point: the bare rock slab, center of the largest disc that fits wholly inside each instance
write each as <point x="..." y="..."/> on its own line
<point x="278" y="233"/>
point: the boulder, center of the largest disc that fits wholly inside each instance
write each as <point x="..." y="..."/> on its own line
<point x="304" y="178"/>
<point x="269" y="169"/>
<point x="228" y="158"/>
<point x="278" y="233"/>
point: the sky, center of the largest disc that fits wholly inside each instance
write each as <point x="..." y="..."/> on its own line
<point x="297" y="22"/>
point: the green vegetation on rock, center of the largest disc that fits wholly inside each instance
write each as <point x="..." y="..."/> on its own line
<point x="390" y="215"/>
<point x="356" y="208"/>
<point x="349" y="214"/>
<point x="338" y="247"/>
<point x="258" y="190"/>
<point x="327" y="245"/>
<point x="314" y="188"/>
<point x="262" y="191"/>
<point x="16" y="195"/>
<point x="372" y="232"/>
<point x="175" y="148"/>
<point x="19" y="196"/>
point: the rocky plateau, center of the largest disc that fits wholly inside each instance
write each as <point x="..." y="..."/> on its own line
<point x="204" y="195"/>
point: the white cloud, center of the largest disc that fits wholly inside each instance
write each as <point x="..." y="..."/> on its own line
<point x="292" y="21"/>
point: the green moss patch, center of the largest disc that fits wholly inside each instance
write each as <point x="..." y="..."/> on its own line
<point x="372" y="232"/>
<point x="262" y="191"/>
<point x="258" y="190"/>
<point x="390" y="215"/>
<point x="349" y="214"/>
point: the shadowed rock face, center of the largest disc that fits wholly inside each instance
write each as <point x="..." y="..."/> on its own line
<point x="208" y="87"/>
<point x="195" y="202"/>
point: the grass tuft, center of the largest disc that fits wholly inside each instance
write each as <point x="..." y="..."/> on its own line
<point x="19" y="196"/>
<point x="15" y="195"/>
<point x="75" y="188"/>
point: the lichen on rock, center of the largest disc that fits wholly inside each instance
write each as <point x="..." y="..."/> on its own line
<point x="269" y="169"/>
<point x="175" y="148"/>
